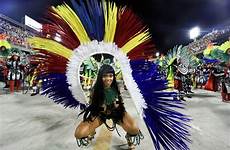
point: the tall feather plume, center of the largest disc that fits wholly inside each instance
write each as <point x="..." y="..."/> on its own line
<point x="54" y="86"/>
<point x="48" y="62"/>
<point x="142" y="51"/>
<point x="55" y="24"/>
<point x="92" y="17"/>
<point x="51" y="71"/>
<point x="166" y="126"/>
<point x="132" y="35"/>
<point x="51" y="46"/>
<point x="74" y="22"/>
<point x="110" y="17"/>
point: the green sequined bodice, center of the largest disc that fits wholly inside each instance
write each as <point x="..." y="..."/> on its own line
<point x="110" y="95"/>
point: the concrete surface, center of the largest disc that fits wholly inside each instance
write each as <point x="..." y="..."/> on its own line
<point x="36" y="123"/>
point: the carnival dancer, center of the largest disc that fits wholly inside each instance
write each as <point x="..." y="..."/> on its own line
<point x="101" y="27"/>
<point x="4" y="53"/>
<point x="15" y="74"/>
<point x="200" y="76"/>
<point x="186" y="84"/>
<point x="211" y="84"/>
<point x="225" y="85"/>
<point x="178" y="84"/>
<point x="106" y="103"/>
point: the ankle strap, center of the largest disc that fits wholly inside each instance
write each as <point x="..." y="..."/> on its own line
<point x="134" y="139"/>
<point x="82" y="142"/>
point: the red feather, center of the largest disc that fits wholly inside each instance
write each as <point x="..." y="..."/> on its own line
<point x="142" y="51"/>
<point x="59" y="26"/>
<point x="49" y="62"/>
<point x="128" y="25"/>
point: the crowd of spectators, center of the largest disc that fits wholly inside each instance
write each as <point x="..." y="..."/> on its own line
<point x="14" y="34"/>
<point x="199" y="45"/>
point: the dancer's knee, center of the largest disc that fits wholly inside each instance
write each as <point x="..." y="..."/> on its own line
<point x="129" y="124"/>
<point x="83" y="130"/>
<point x="133" y="129"/>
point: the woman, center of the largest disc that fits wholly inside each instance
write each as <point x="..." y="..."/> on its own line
<point x="211" y="83"/>
<point x="106" y="103"/>
<point x="15" y="74"/>
<point x="225" y="82"/>
<point x="178" y="84"/>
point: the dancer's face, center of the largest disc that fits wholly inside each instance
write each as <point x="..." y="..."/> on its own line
<point x="15" y="57"/>
<point x="228" y="51"/>
<point x="107" y="79"/>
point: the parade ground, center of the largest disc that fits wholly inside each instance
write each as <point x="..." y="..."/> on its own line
<point x="36" y="123"/>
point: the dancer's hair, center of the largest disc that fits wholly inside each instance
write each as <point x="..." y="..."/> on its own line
<point x="97" y="94"/>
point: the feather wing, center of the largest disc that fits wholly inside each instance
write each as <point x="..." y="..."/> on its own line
<point x="127" y="39"/>
<point x="167" y="127"/>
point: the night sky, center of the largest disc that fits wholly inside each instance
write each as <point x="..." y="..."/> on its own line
<point x="168" y="20"/>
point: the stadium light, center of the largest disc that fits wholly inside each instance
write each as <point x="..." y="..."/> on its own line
<point x="157" y="54"/>
<point x="194" y="33"/>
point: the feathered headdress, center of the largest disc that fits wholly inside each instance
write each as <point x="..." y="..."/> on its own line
<point x="101" y="27"/>
<point x="5" y="43"/>
<point x="217" y="53"/>
<point x="182" y="58"/>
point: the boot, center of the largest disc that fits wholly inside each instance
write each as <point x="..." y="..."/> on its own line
<point x="223" y="96"/>
<point x="11" y="86"/>
<point x="228" y="97"/>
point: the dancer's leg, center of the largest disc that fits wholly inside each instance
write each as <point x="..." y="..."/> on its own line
<point x="86" y="128"/>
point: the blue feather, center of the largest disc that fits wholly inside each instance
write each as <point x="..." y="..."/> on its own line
<point x="168" y="127"/>
<point x="92" y="17"/>
<point x="55" y="87"/>
<point x="207" y="60"/>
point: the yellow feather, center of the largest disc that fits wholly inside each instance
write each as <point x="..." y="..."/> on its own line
<point x="50" y="46"/>
<point x="110" y="15"/>
<point x="67" y="14"/>
<point x="225" y="46"/>
<point x="5" y="43"/>
<point x="135" y="41"/>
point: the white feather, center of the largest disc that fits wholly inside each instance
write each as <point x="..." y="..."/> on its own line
<point x="94" y="47"/>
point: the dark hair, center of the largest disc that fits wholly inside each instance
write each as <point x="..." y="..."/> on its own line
<point x="12" y="57"/>
<point x="97" y="95"/>
<point x="2" y="47"/>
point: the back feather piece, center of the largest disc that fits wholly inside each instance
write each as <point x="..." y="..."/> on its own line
<point x="94" y="27"/>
